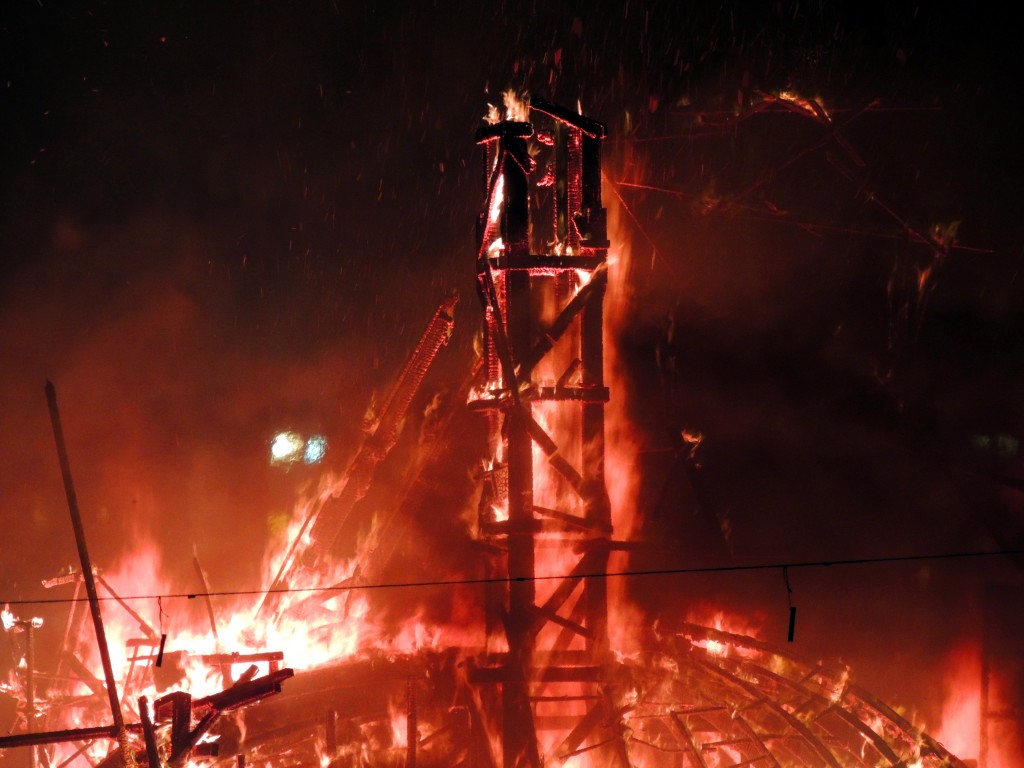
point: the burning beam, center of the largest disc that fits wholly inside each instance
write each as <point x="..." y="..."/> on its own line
<point x="87" y="574"/>
<point x="61" y="737"/>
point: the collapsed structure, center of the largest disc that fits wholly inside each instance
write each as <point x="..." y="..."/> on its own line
<point x="544" y="686"/>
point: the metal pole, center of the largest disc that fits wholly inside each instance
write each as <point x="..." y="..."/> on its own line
<point x="87" y="575"/>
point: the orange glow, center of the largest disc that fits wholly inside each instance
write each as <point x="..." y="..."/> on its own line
<point x="623" y="442"/>
<point x="309" y="633"/>
<point x="961" y="727"/>
<point x="960" y="731"/>
<point x="707" y="615"/>
<point x="813" y="106"/>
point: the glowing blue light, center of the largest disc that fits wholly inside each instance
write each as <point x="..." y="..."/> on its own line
<point x="316" y="447"/>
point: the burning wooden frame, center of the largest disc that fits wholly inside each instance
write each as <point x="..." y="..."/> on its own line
<point x="546" y="687"/>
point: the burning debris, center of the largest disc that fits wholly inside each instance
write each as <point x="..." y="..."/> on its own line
<point x="542" y="681"/>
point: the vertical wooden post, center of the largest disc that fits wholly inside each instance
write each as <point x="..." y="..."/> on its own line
<point x="87" y="575"/>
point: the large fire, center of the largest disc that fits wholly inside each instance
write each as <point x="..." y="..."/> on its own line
<point x="561" y="668"/>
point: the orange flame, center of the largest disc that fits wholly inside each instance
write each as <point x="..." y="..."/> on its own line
<point x="623" y="442"/>
<point x="961" y="713"/>
<point x="961" y="728"/>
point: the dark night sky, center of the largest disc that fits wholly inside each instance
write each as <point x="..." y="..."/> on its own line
<point x="218" y="221"/>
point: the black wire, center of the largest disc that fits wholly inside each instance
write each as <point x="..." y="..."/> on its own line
<point x="789" y="589"/>
<point x="502" y="580"/>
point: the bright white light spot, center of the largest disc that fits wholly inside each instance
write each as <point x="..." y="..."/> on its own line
<point x="286" y="447"/>
<point x="8" y="618"/>
<point x="316" y="447"/>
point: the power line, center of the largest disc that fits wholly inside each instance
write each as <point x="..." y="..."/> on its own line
<point x="346" y="587"/>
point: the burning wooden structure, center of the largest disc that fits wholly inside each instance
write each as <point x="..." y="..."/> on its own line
<point x="544" y="686"/>
<point x="542" y="289"/>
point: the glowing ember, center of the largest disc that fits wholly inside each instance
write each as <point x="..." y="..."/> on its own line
<point x="813" y="106"/>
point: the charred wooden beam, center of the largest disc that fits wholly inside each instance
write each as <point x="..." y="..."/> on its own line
<point x="147" y="630"/>
<point x="326" y="520"/>
<point x="246" y="693"/>
<point x="582" y="730"/>
<point x="182" y="748"/>
<point x="87" y="572"/>
<point x="205" y="587"/>
<point x="222" y="659"/>
<point x="544" y="441"/>
<point x="64" y="736"/>
<point x="546" y="264"/>
<point x="588" y="125"/>
<point x="331" y="731"/>
<point x="541" y="393"/>
<point x="505" y="129"/>
<point x="553" y="674"/>
<point x="561" y="323"/>
<point x="552" y="617"/>
<point x="545" y="657"/>
<point x="148" y="733"/>
<point x="175" y="708"/>
<point x="574" y="521"/>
